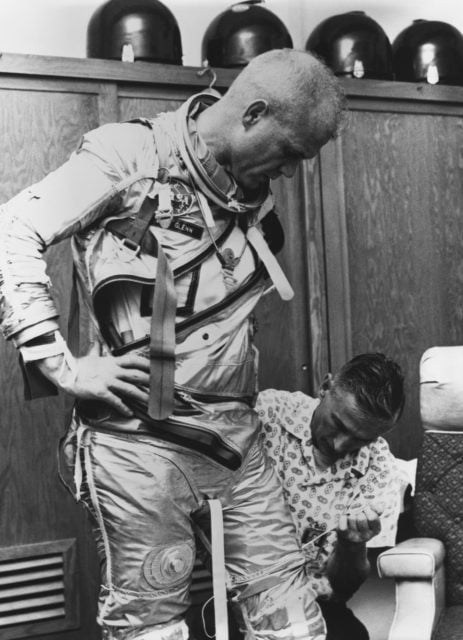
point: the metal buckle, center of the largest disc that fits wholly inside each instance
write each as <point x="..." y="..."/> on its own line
<point x="132" y="246"/>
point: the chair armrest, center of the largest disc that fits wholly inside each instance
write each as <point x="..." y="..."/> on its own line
<point x="417" y="565"/>
<point x="414" y="558"/>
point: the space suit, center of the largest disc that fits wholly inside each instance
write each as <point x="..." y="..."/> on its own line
<point x="169" y="263"/>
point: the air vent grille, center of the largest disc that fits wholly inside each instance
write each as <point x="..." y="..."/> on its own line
<point x="37" y="589"/>
<point x="31" y="590"/>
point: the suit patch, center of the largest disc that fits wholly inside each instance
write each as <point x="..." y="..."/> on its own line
<point x="189" y="229"/>
<point x="186" y="228"/>
<point x="183" y="202"/>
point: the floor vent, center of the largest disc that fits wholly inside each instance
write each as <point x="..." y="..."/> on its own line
<point x="37" y="590"/>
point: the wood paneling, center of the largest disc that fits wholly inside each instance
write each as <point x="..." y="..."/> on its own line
<point x="336" y="255"/>
<point x="284" y="361"/>
<point x="136" y="107"/>
<point x="291" y="336"/>
<point x="50" y="125"/>
<point x="39" y="129"/>
<point x="142" y="74"/>
<point x="403" y="190"/>
<point x="40" y="125"/>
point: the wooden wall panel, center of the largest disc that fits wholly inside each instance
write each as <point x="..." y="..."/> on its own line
<point x="147" y="102"/>
<point x="405" y="242"/>
<point x="135" y="107"/>
<point x="313" y="249"/>
<point x="52" y="124"/>
<point x="283" y="357"/>
<point x="39" y="128"/>
<point x="288" y="358"/>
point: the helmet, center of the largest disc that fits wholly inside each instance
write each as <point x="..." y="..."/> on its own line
<point x="429" y="51"/>
<point x="241" y="33"/>
<point x="134" y="30"/>
<point x="354" y="45"/>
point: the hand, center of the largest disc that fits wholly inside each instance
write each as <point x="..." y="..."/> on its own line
<point x="359" y="527"/>
<point x="108" y="379"/>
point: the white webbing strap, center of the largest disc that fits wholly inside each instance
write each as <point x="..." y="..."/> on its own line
<point x="204" y="208"/>
<point x="218" y="571"/>
<point x="271" y="264"/>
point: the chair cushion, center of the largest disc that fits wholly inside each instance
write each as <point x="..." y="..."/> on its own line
<point x="438" y="506"/>
<point x="450" y="626"/>
<point x="415" y="558"/>
<point x="441" y="388"/>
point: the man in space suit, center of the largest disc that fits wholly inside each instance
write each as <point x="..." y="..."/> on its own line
<point x="165" y="217"/>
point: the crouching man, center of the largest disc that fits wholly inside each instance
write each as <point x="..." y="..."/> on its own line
<point x="339" y="476"/>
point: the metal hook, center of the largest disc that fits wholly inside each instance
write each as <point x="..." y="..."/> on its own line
<point x="208" y="69"/>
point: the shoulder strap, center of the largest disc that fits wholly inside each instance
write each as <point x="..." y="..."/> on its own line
<point x="274" y="270"/>
<point x="162" y="341"/>
<point x="133" y="230"/>
<point x="162" y="332"/>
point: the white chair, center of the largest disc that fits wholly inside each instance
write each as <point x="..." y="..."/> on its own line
<point x="429" y="570"/>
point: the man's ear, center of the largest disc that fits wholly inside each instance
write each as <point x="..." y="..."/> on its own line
<point x="325" y="385"/>
<point x="254" y="112"/>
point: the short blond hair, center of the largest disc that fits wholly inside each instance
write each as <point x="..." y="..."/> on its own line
<point x="294" y="83"/>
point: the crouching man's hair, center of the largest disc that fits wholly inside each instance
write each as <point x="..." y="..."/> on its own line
<point x="376" y="382"/>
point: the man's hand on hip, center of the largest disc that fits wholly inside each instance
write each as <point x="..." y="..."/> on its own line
<point x="105" y="378"/>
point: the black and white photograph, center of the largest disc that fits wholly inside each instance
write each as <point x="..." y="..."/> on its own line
<point x="231" y="315"/>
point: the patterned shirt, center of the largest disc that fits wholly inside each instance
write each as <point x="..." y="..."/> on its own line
<point x="317" y="497"/>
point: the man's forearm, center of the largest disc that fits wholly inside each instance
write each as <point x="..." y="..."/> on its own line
<point x="47" y="365"/>
<point x="348" y="567"/>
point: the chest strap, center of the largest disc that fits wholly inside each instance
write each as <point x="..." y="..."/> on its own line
<point x="135" y="234"/>
<point x="274" y="270"/>
<point x="162" y="341"/>
<point x="134" y="230"/>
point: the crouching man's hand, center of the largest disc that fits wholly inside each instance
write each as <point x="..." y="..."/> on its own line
<point x="360" y="526"/>
<point x="348" y="566"/>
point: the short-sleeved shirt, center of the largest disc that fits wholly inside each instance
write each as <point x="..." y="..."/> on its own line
<point x="317" y="498"/>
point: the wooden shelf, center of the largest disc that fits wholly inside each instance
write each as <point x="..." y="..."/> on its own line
<point x="181" y="76"/>
<point x="109" y="70"/>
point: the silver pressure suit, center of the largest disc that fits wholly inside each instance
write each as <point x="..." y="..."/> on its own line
<point x="145" y="480"/>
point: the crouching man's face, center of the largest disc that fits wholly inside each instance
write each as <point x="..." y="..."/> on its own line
<point x="339" y="426"/>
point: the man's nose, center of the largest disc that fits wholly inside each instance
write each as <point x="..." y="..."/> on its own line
<point x="289" y="168"/>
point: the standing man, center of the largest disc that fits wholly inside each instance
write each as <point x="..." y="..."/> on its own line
<point x="164" y="216"/>
<point x="339" y="478"/>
